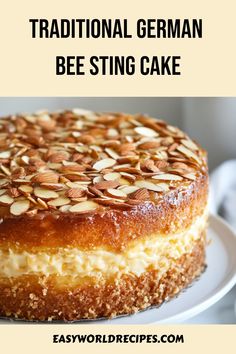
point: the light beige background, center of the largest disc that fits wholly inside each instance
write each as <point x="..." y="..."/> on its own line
<point x="27" y="66"/>
<point x="37" y="339"/>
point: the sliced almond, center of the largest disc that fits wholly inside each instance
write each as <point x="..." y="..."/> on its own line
<point x="6" y="199"/>
<point x="58" y="157"/>
<point x="75" y="193"/>
<point x="129" y="189"/>
<point x="189" y="144"/>
<point x="149" y="145"/>
<point x="149" y="185"/>
<point x="95" y="191"/>
<point x="111" y="132"/>
<point x="128" y="176"/>
<point x="190" y="176"/>
<point x="45" y="193"/>
<point x="25" y="159"/>
<point x="64" y="208"/>
<point x="188" y="153"/>
<point x="140" y="194"/>
<point x="3" y="182"/>
<point x="161" y="164"/>
<point x="111" y="202"/>
<point x="82" y="199"/>
<point x="165" y="187"/>
<point x="5" y="154"/>
<point x="117" y="193"/>
<point x="83" y="207"/>
<point x="168" y="177"/>
<point x="76" y="185"/>
<point x="59" y="201"/>
<point x="45" y="177"/>
<point x="104" y="163"/>
<point x="2" y="191"/>
<point x="42" y="203"/>
<point x="97" y="179"/>
<point x="106" y="184"/>
<point x="124" y="181"/>
<point x="5" y="170"/>
<point x="150" y="165"/>
<point x="111" y="176"/>
<point x="19" y="207"/>
<point x="13" y="192"/>
<point x="112" y="153"/>
<point x="180" y="165"/>
<point x="53" y="186"/>
<point x="25" y="188"/>
<point x="144" y="131"/>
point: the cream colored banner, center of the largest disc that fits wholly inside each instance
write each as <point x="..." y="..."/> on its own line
<point x="39" y="339"/>
<point x="28" y="66"/>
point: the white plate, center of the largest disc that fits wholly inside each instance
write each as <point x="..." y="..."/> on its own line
<point x="218" y="278"/>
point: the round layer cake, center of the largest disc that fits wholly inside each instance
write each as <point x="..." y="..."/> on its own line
<point x="102" y="214"/>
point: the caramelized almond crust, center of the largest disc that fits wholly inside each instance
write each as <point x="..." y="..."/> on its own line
<point x="112" y="228"/>
<point x="57" y="184"/>
<point x="34" y="297"/>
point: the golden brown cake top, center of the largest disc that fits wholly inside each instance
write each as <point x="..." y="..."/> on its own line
<point x="81" y="162"/>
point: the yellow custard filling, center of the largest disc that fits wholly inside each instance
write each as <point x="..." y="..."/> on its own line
<point x="157" y="252"/>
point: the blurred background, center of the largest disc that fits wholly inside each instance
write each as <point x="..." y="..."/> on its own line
<point x="211" y="121"/>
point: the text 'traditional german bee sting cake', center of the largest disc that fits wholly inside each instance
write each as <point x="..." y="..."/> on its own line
<point x="102" y="214"/>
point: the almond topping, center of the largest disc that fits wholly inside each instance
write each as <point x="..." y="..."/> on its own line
<point x="141" y="194"/>
<point x="45" y="177"/>
<point x="95" y="191"/>
<point x="117" y="193"/>
<point x="53" y="186"/>
<point x="25" y="188"/>
<point x="129" y="189"/>
<point x="188" y="153"/>
<point x="149" y="145"/>
<point x="168" y="177"/>
<point x="3" y="182"/>
<point x="105" y="163"/>
<point x="14" y="193"/>
<point x="111" y="176"/>
<point x="128" y="176"/>
<point x="112" y="153"/>
<point x="150" y="165"/>
<point x="45" y="193"/>
<point x="106" y="184"/>
<point x="58" y="157"/>
<point x="83" y="207"/>
<point x="2" y="191"/>
<point x="75" y="193"/>
<point x="59" y="160"/>
<point x="6" y="199"/>
<point x="5" y="154"/>
<point x="59" y="201"/>
<point x="149" y="185"/>
<point x="146" y="132"/>
<point x="189" y="144"/>
<point x="190" y="176"/>
<point x="20" y="207"/>
<point x="161" y="164"/>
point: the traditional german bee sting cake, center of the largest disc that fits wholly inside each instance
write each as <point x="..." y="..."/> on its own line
<point x="102" y="214"/>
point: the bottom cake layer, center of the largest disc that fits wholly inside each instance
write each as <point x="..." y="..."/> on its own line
<point x="34" y="297"/>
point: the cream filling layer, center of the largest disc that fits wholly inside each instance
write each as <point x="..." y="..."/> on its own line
<point x="157" y="252"/>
